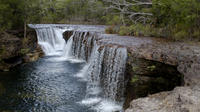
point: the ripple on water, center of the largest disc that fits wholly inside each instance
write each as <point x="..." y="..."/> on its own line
<point x="47" y="86"/>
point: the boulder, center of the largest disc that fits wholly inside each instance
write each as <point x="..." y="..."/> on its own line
<point x="181" y="99"/>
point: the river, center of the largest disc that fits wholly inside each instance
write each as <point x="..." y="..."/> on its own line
<point x="62" y="81"/>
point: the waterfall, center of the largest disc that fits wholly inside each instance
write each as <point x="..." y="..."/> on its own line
<point x="68" y="47"/>
<point x="104" y="70"/>
<point x="51" y="40"/>
<point x="82" y="45"/>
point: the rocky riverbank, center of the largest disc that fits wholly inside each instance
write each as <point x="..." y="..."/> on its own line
<point x="180" y="62"/>
<point x="154" y="66"/>
<point x="14" y="49"/>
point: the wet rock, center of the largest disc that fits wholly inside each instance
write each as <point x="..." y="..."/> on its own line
<point x="10" y="47"/>
<point x="33" y="56"/>
<point x="147" y="77"/>
<point x="83" y="43"/>
<point x="13" y="47"/>
<point x="67" y="35"/>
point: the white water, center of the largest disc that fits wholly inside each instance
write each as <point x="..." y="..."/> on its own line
<point x="105" y="79"/>
<point x="104" y="72"/>
<point x="68" y="47"/>
<point x="53" y="44"/>
<point x="51" y="40"/>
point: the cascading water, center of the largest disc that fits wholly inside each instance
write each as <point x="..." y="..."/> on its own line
<point x="51" y="40"/>
<point x="105" y="76"/>
<point x="68" y="47"/>
<point x="103" y="72"/>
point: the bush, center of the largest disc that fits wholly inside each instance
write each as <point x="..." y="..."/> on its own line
<point x="24" y="51"/>
<point x="180" y="18"/>
<point x="196" y="34"/>
<point x="138" y="30"/>
<point x="110" y="30"/>
<point x="180" y="35"/>
<point x="124" y="30"/>
<point x="112" y="19"/>
<point x="25" y="42"/>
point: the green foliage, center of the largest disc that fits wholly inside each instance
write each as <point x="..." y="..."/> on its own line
<point x="124" y="30"/>
<point x="174" y="19"/>
<point x="8" y="14"/>
<point x="24" y="51"/>
<point x="196" y="34"/>
<point x="110" y="30"/>
<point x="180" y="17"/>
<point x="140" y="30"/>
<point x="112" y="19"/>
<point x="135" y="68"/>
<point x="25" y="41"/>
<point x="151" y="68"/>
<point x="81" y="11"/>
<point x="2" y="49"/>
<point x="134" y="79"/>
<point x="177" y="19"/>
<point x="180" y="35"/>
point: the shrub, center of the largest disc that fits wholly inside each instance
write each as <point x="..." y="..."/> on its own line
<point x="183" y="20"/>
<point x="134" y="79"/>
<point x="180" y="35"/>
<point x="196" y="34"/>
<point x="138" y="30"/>
<point x="111" y="30"/>
<point x="112" y="19"/>
<point x="25" y="41"/>
<point x="24" y="51"/>
<point x="124" y="30"/>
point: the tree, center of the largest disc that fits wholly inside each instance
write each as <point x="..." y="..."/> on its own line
<point x="130" y="9"/>
<point x="183" y="19"/>
<point x="11" y="14"/>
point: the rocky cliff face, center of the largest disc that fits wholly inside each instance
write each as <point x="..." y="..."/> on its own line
<point x="14" y="48"/>
<point x="185" y="60"/>
<point x="147" y="77"/>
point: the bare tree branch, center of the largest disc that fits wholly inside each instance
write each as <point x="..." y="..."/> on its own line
<point x="124" y="9"/>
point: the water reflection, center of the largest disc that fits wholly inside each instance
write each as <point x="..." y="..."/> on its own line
<point x="43" y="86"/>
<point x="2" y="89"/>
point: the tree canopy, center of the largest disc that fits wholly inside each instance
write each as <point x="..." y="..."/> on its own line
<point x="176" y="18"/>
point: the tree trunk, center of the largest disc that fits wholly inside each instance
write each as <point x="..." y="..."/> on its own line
<point x="122" y="18"/>
<point x="25" y="29"/>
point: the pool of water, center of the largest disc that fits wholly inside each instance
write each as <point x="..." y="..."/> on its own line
<point x="47" y="85"/>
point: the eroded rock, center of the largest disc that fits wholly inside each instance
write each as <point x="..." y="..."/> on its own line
<point x="181" y="99"/>
<point x="147" y="77"/>
<point x="13" y="47"/>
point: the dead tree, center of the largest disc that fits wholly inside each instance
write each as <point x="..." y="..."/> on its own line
<point x="123" y="8"/>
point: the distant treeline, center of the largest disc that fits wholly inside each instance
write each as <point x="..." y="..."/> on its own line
<point x="174" y="19"/>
